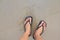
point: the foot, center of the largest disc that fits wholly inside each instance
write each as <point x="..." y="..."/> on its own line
<point x="41" y="27"/>
<point x="27" y="25"/>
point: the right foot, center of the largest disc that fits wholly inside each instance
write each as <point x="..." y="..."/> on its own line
<point x="41" y="27"/>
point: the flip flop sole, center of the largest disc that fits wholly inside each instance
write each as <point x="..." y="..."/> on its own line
<point x="27" y="22"/>
<point x="39" y="25"/>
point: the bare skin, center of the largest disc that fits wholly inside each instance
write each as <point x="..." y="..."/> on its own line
<point x="27" y="32"/>
<point x="37" y="33"/>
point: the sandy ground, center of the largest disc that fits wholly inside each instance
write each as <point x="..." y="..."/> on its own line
<point x="13" y="12"/>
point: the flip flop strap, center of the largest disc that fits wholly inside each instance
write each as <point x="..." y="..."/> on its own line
<point x="26" y="23"/>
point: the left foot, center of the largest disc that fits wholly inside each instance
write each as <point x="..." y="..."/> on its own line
<point x="27" y="25"/>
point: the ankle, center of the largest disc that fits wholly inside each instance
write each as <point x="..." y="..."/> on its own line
<point x="36" y="35"/>
<point x="28" y="33"/>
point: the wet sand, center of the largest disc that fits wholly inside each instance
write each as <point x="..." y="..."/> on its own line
<point x="13" y="12"/>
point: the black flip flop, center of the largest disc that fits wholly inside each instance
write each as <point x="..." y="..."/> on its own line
<point x="29" y="22"/>
<point x="40" y="25"/>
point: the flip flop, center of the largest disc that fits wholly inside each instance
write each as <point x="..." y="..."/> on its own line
<point x="29" y="23"/>
<point x="40" y="25"/>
